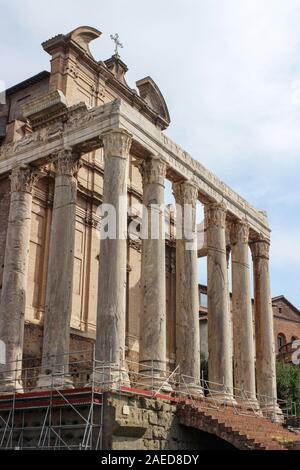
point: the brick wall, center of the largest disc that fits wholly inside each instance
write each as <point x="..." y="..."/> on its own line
<point x="286" y="321"/>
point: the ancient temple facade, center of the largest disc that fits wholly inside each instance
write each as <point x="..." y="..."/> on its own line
<point x="78" y="137"/>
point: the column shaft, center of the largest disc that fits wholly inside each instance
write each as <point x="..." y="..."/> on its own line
<point x="13" y="298"/>
<point x="153" y="317"/>
<point x="243" y="337"/>
<point x="187" y="292"/>
<point x="59" y="291"/>
<point x="264" y="331"/>
<point x="219" y="335"/>
<point x="111" y="313"/>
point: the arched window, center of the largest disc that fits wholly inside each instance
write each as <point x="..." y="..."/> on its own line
<point x="281" y="341"/>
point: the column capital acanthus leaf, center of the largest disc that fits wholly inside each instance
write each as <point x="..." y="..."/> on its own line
<point x="260" y="248"/>
<point x="23" y="178"/>
<point x="215" y="215"/>
<point x="117" y="143"/>
<point x="239" y="232"/>
<point x="185" y="192"/>
<point x="67" y="162"/>
<point x="153" y="170"/>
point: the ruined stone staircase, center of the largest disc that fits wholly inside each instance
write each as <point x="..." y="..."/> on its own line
<point x="243" y="431"/>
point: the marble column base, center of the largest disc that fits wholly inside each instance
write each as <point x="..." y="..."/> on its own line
<point x="272" y="411"/>
<point x="223" y="396"/>
<point x="190" y="389"/>
<point x="154" y="383"/>
<point x="250" y="403"/>
<point x="10" y="388"/>
<point x="52" y="381"/>
<point x="110" y="379"/>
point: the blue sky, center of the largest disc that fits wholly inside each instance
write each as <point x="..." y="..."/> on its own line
<point x="230" y="73"/>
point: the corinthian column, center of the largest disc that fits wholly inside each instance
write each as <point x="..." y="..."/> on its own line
<point x="59" y="291"/>
<point x="243" y="338"/>
<point x="153" y="317"/>
<point x="187" y="292"/>
<point x="264" y="332"/>
<point x="13" y="298"/>
<point x="111" y="313"/>
<point x="219" y="334"/>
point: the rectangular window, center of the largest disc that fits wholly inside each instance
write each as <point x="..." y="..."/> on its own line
<point x="203" y="300"/>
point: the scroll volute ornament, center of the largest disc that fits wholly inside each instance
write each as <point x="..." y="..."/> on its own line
<point x="215" y="215"/>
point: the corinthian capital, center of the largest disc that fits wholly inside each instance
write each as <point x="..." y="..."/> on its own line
<point x="153" y="171"/>
<point x="66" y="162"/>
<point x="260" y="248"/>
<point x="215" y="215"/>
<point x="185" y="192"/>
<point x="117" y="143"/>
<point x="239" y="232"/>
<point x="23" y="178"/>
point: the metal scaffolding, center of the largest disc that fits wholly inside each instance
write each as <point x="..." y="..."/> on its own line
<point x="54" y="418"/>
<point x="65" y="416"/>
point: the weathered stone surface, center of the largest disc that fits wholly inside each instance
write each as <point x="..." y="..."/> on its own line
<point x="110" y="342"/>
<point x="187" y="294"/>
<point x="14" y="284"/>
<point x="243" y="337"/>
<point x="264" y="330"/>
<point x="114" y="116"/>
<point x="153" y="278"/>
<point x="162" y="430"/>
<point x="220" y="360"/>
<point x="60" y="272"/>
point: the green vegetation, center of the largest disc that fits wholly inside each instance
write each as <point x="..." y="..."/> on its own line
<point x="204" y="366"/>
<point x="288" y="383"/>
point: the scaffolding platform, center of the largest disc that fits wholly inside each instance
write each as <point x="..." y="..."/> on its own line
<point x="52" y="419"/>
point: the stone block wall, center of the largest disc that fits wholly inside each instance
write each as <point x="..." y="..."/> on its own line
<point x="139" y="423"/>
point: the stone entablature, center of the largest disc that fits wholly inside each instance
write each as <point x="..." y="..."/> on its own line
<point x="82" y="131"/>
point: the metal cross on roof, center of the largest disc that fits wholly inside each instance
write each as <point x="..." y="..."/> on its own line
<point x="118" y="44"/>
